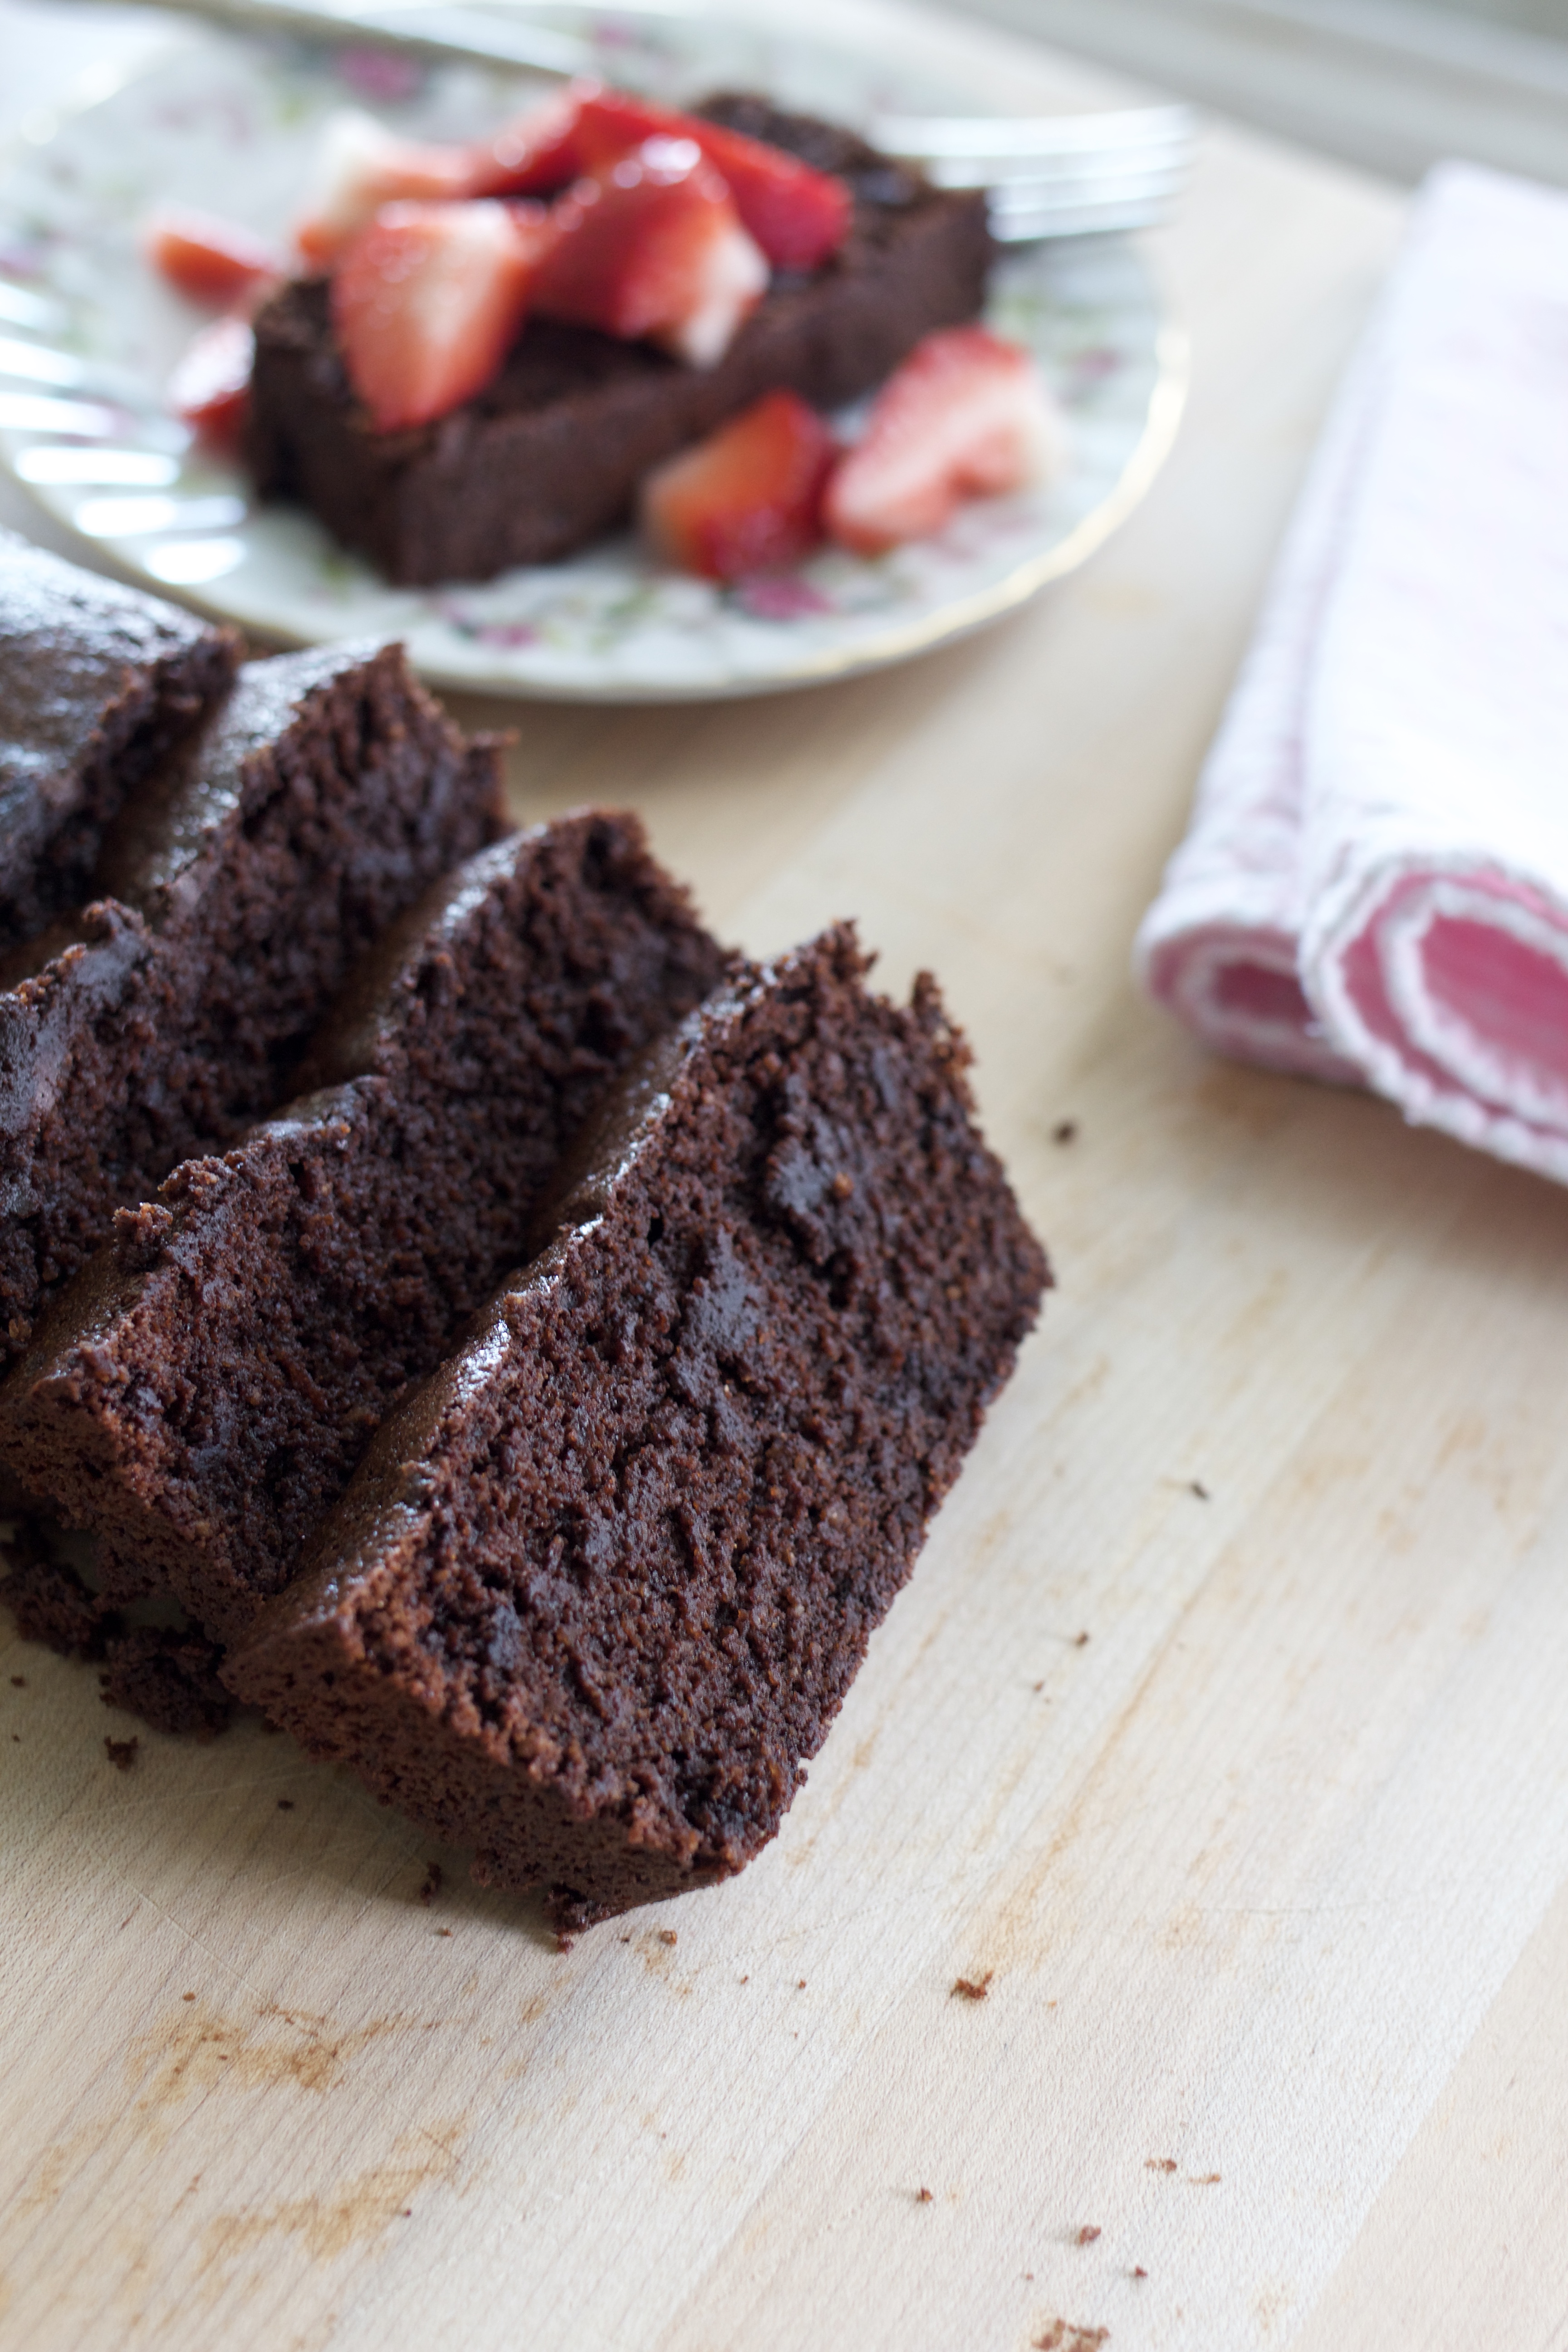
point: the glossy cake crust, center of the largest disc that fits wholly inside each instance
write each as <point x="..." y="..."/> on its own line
<point x="599" y="1589"/>
<point x="202" y="1394"/>
<point x="96" y="683"/>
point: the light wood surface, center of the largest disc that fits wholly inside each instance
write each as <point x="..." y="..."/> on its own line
<point x="1266" y="1873"/>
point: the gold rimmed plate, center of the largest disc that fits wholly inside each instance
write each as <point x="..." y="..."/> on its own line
<point x="88" y="334"/>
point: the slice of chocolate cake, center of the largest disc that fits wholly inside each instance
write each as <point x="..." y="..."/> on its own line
<point x="551" y="453"/>
<point x="599" y="1587"/>
<point x="232" y="893"/>
<point x="97" y="683"/>
<point x="202" y="1394"/>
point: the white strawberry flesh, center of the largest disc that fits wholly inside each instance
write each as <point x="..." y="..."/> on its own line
<point x="651" y="248"/>
<point x="426" y="302"/>
<point x="966" y="416"/>
<point x="359" y="166"/>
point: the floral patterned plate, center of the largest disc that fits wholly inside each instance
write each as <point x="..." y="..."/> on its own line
<point x="88" y="335"/>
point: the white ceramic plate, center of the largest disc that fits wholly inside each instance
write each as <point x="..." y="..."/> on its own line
<point x="88" y="335"/>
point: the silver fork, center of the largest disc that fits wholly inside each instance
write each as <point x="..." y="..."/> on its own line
<point x="1046" y="175"/>
<point x="1053" y="175"/>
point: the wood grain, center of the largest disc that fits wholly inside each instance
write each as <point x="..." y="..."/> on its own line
<point x="1263" y="1878"/>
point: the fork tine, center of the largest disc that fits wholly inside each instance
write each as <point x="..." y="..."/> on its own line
<point x="928" y="138"/>
<point x="1062" y="178"/>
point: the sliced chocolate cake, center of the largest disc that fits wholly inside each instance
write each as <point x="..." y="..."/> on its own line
<point x="600" y="1586"/>
<point x="550" y="454"/>
<point x="97" y="683"/>
<point x="202" y="1394"/>
<point x="231" y="894"/>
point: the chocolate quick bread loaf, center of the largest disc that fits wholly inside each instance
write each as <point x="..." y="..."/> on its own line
<point x="230" y="896"/>
<point x="97" y="683"/>
<point x="599" y="1587"/>
<point x="550" y="454"/>
<point x="202" y="1394"/>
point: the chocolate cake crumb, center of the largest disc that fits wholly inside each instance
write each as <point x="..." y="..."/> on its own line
<point x="432" y="1886"/>
<point x="1065" y="1131"/>
<point x="1088" y="2234"/>
<point x="362" y="1228"/>
<point x="1081" y="1641"/>
<point x="972" y="1987"/>
<point x="285" y="1804"/>
<point x="18" y="1681"/>
<point x="1138" y="2271"/>
<point x="98" y="683"/>
<point x="1200" y="1490"/>
<point x="230" y="896"/>
<point x="169" y="1678"/>
<point x="122" y="1753"/>
<point x="47" y="1598"/>
<point x="1160" y="2164"/>
<point x="922" y="2196"/>
<point x="600" y="1587"/>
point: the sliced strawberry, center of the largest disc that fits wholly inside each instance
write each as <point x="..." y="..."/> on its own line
<point x="359" y="166"/>
<point x="966" y="416"/>
<point x="426" y="302"/>
<point x="797" y="215"/>
<point x="747" y="500"/>
<point x="208" y="260"/>
<point x="651" y="247"/>
<point x="210" y="387"/>
<point x="542" y="151"/>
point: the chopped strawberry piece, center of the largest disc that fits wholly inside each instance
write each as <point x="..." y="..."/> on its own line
<point x="210" y="387"/>
<point x="747" y="500"/>
<point x="208" y="260"/>
<point x="652" y="247"/>
<point x="543" y="152"/>
<point x="359" y="166"/>
<point x="426" y="302"/>
<point x="797" y="215"/>
<point x="966" y="416"/>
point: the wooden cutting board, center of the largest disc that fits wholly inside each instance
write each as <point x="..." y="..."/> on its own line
<point x="1219" y="1736"/>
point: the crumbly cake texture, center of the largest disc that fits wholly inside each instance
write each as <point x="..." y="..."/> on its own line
<point x="166" y="1674"/>
<point x="232" y="893"/>
<point x="599" y="1587"/>
<point x="549" y="454"/>
<point x="97" y="683"/>
<point x="202" y="1394"/>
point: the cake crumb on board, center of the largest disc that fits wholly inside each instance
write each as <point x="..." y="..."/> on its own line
<point x="432" y="1886"/>
<point x="1088" y="2234"/>
<point x="122" y="1753"/>
<point x="971" y="1987"/>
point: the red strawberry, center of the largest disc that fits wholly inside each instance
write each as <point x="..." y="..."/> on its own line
<point x="426" y="302"/>
<point x="747" y="500"/>
<point x="966" y="416"/>
<point x="210" y="259"/>
<point x="651" y="247"/>
<point x="359" y="166"/>
<point x="797" y="215"/>
<point x="210" y="387"/>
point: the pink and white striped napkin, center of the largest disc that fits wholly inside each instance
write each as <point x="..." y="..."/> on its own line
<point x="1375" y="887"/>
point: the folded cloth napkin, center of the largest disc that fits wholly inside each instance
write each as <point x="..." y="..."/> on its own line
<point x="1375" y="884"/>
